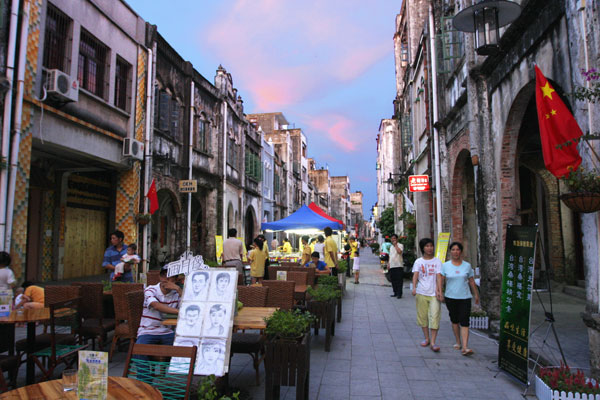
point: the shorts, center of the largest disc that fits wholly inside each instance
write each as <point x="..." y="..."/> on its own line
<point x="356" y="264"/>
<point x="428" y="312"/>
<point x="459" y="310"/>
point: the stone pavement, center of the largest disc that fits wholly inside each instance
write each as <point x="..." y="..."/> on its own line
<point x="375" y="353"/>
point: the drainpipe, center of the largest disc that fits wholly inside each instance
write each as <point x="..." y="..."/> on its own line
<point x="434" y="120"/>
<point x="147" y="156"/>
<point x="10" y="70"/>
<point x="14" y="155"/>
<point x="224" y="168"/>
<point x="190" y="153"/>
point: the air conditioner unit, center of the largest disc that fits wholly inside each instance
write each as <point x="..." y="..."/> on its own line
<point x="133" y="148"/>
<point x="61" y="86"/>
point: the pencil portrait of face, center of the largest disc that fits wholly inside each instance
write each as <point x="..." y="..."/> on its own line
<point x="218" y="321"/>
<point x="190" y="319"/>
<point x="181" y="365"/>
<point x="222" y="287"/>
<point x="196" y="286"/>
<point x="212" y="358"/>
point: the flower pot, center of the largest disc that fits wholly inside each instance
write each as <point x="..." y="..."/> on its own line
<point x="479" y="322"/>
<point x="582" y="202"/>
<point x="287" y="363"/>
<point x="544" y="392"/>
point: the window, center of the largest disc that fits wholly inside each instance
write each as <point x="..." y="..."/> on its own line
<point x="276" y="183"/>
<point x="123" y="85"/>
<point x="232" y="152"/>
<point x="167" y="114"/>
<point x="202" y="134"/>
<point x="253" y="165"/>
<point x="93" y="65"/>
<point x="57" y="40"/>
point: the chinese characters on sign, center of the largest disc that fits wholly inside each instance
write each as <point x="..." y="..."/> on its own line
<point x="418" y="183"/>
<point x="517" y="282"/>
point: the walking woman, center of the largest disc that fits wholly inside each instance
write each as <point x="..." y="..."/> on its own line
<point x="425" y="276"/>
<point x="396" y="266"/>
<point x="457" y="275"/>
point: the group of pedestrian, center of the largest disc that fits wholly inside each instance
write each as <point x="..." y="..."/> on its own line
<point x="434" y="283"/>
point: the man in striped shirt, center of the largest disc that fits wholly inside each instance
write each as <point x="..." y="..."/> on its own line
<point x="160" y="298"/>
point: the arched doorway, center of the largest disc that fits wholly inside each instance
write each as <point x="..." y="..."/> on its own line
<point x="464" y="217"/>
<point x="230" y="222"/>
<point x="164" y="228"/>
<point x="249" y="224"/>
<point x="529" y="191"/>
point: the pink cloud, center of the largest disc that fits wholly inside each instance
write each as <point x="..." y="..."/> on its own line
<point x="287" y="52"/>
<point x="340" y="130"/>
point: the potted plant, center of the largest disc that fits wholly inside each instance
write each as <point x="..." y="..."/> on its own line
<point x="143" y="219"/>
<point x="341" y="270"/>
<point x="322" y="304"/>
<point x="207" y="390"/>
<point x="287" y="352"/>
<point x="559" y="383"/>
<point x="583" y="184"/>
<point x="332" y="281"/>
<point x="479" y="319"/>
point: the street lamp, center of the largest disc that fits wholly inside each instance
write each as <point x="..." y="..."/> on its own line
<point x="392" y="182"/>
<point x="485" y="19"/>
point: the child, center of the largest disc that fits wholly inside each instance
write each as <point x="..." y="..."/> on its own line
<point x="428" y="293"/>
<point x="130" y="258"/>
<point x="356" y="265"/>
<point x="7" y="277"/>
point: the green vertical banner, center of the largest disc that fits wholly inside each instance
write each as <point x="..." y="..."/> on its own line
<point x="517" y="282"/>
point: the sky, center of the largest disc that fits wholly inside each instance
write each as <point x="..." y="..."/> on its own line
<point x="327" y="65"/>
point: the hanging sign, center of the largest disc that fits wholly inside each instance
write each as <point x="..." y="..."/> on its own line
<point x="517" y="282"/>
<point x="418" y="183"/>
<point x="188" y="186"/>
<point x="442" y="246"/>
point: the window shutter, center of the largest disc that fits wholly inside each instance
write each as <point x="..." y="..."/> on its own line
<point x="163" y="112"/>
<point x="174" y="118"/>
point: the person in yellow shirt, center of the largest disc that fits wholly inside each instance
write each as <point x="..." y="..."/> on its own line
<point x="287" y="246"/>
<point x="331" y="251"/>
<point x="306" y="252"/>
<point x="33" y="297"/>
<point x="353" y="250"/>
<point x="257" y="261"/>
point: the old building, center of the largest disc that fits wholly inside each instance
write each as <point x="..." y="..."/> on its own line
<point x="340" y="199"/>
<point x="80" y="118"/>
<point x="388" y="167"/>
<point x="356" y="213"/>
<point x="322" y="185"/>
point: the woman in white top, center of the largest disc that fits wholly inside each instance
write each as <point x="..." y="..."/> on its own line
<point x="320" y="247"/>
<point x="7" y="277"/>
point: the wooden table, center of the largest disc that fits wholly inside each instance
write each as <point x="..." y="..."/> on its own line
<point x="247" y="318"/>
<point x="29" y="316"/>
<point x="118" y="388"/>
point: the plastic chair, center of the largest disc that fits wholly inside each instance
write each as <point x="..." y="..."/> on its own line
<point x="122" y="329"/>
<point x="156" y="373"/>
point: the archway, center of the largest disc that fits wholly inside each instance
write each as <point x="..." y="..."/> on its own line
<point x="164" y="229"/>
<point x="464" y="217"/>
<point x="230" y="222"/>
<point x="249" y="225"/>
<point x="529" y="192"/>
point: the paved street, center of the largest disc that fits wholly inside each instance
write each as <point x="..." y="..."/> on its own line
<point x="376" y="354"/>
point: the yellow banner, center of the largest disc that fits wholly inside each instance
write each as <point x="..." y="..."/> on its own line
<point x="219" y="246"/>
<point x="244" y="259"/>
<point x="442" y="246"/>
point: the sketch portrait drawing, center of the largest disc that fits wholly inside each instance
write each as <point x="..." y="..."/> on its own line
<point x="217" y="321"/>
<point x="196" y="286"/>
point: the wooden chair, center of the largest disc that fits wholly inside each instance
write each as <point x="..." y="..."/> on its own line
<point x="311" y="271"/>
<point x="64" y="316"/>
<point x="288" y="264"/>
<point x="52" y="294"/>
<point x="152" y="277"/>
<point x="171" y="385"/>
<point x="252" y="344"/>
<point x="281" y="294"/>
<point x="274" y="269"/>
<point x="122" y="329"/>
<point x="95" y="326"/>
<point x="301" y="278"/>
<point x="9" y="362"/>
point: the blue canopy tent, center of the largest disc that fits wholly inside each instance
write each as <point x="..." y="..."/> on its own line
<point x="303" y="219"/>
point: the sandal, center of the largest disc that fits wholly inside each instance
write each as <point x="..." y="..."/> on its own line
<point x="425" y="343"/>
<point x="435" y="348"/>
<point x="456" y="347"/>
<point x="467" y="352"/>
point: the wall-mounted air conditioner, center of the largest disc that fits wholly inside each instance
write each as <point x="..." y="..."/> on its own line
<point x="133" y="148"/>
<point x="61" y="86"/>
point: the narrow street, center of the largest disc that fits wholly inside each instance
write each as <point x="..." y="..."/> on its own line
<point x="375" y="354"/>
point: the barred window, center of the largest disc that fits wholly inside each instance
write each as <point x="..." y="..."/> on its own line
<point x="253" y="165"/>
<point x="202" y="134"/>
<point x="123" y="85"/>
<point x="57" y="40"/>
<point x="93" y="65"/>
<point x="167" y="114"/>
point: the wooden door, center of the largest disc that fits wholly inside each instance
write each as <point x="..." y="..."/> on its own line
<point x="85" y="242"/>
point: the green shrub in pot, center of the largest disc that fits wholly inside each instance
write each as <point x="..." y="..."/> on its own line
<point x="284" y="324"/>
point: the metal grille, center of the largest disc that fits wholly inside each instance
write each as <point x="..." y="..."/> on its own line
<point x="123" y="85"/>
<point x="202" y="134"/>
<point x="93" y="68"/>
<point x="450" y="41"/>
<point x="57" y="40"/>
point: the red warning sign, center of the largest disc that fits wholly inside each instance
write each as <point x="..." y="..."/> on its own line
<point x="418" y="183"/>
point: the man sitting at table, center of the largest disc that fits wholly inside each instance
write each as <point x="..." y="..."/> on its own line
<point x="315" y="262"/>
<point x="160" y="298"/>
<point x="33" y="297"/>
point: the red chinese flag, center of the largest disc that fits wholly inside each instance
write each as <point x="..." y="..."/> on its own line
<point x="153" y="197"/>
<point x="559" y="132"/>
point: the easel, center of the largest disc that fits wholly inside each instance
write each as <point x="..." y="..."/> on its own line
<point x="549" y="319"/>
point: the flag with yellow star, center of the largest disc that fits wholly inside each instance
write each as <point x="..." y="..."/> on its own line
<point x="559" y="131"/>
